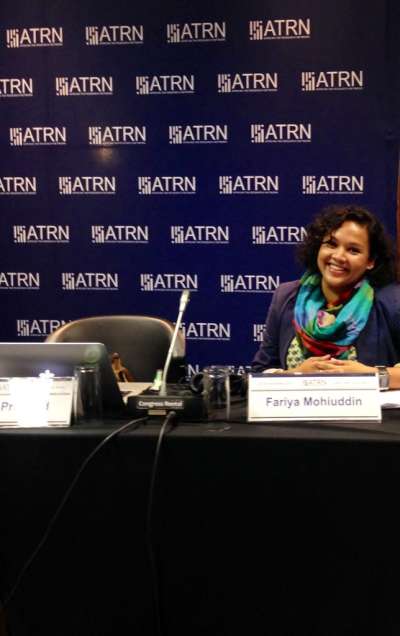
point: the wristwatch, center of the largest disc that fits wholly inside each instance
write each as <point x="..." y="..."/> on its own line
<point x="383" y="375"/>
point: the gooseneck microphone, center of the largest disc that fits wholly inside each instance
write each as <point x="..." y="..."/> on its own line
<point x="185" y="297"/>
<point x="180" y="398"/>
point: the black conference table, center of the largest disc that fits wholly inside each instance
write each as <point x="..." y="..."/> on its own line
<point x="257" y="529"/>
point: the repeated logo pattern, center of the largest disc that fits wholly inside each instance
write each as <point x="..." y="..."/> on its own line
<point x="145" y="155"/>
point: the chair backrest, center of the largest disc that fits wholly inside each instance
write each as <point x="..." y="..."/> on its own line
<point x="141" y="341"/>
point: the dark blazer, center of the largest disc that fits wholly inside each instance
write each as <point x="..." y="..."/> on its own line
<point x="378" y="343"/>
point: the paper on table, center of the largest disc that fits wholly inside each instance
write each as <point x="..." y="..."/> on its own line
<point x="132" y="388"/>
<point x="390" y="399"/>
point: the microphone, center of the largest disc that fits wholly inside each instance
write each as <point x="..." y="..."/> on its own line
<point x="183" y="302"/>
<point x="181" y="399"/>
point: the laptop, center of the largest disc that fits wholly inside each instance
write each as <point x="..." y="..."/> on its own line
<point x="28" y="359"/>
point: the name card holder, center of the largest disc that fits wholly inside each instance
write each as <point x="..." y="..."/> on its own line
<point x="32" y="402"/>
<point x="284" y="397"/>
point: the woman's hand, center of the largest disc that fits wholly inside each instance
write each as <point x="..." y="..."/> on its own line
<point x="351" y="366"/>
<point x="332" y="365"/>
<point x="317" y="363"/>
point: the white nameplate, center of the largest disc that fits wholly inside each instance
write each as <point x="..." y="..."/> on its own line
<point x="31" y="402"/>
<point x="290" y="397"/>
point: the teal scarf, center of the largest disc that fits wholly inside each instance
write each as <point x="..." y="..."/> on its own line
<point x="333" y="331"/>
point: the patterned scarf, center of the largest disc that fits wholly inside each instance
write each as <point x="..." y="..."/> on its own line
<point x="330" y="331"/>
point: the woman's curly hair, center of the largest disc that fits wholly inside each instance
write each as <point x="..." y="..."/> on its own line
<point x="380" y="244"/>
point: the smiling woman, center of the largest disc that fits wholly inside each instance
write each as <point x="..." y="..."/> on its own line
<point x="343" y="259"/>
<point x="344" y="313"/>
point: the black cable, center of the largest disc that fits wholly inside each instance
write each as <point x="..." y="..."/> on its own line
<point x="149" y="527"/>
<point x="51" y="524"/>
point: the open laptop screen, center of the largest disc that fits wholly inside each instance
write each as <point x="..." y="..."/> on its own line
<point x="28" y="359"/>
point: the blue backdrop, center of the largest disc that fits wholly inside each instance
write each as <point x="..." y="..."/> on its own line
<point x="151" y="147"/>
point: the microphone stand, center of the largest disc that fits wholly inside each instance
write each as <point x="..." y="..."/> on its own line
<point x="185" y="296"/>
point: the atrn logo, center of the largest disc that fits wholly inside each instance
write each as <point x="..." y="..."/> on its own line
<point x="38" y="136"/>
<point x="249" y="283"/>
<point x="16" y="87"/>
<point x="332" y="81"/>
<point x="198" y="134"/>
<point x="87" y="185"/>
<point x="20" y="281"/>
<point x="168" y="282"/>
<point x="207" y="331"/>
<point x="114" y="34"/>
<point x="247" y="82"/>
<point x="196" y="32"/>
<point x="164" y="84"/>
<point x="34" y="36"/>
<point x="333" y="184"/>
<point x="37" y="328"/>
<point x="84" y="86"/>
<point x="280" y="133"/>
<point x="18" y="185"/>
<point x="258" y="332"/>
<point x="249" y="184"/>
<point x="167" y="185"/>
<point x="120" y="234"/>
<point x="278" y="234"/>
<point x="288" y="29"/>
<point x="116" y="135"/>
<point x="41" y="233"/>
<point x="200" y="234"/>
<point x="89" y="281"/>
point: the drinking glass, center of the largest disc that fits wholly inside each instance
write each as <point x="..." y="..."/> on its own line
<point x="216" y="393"/>
<point x="87" y="395"/>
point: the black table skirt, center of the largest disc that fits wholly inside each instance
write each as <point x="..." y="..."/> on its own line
<point x="257" y="529"/>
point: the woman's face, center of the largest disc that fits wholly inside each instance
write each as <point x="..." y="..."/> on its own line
<point x="343" y="258"/>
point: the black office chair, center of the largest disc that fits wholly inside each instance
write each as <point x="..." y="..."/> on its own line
<point x="142" y="342"/>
